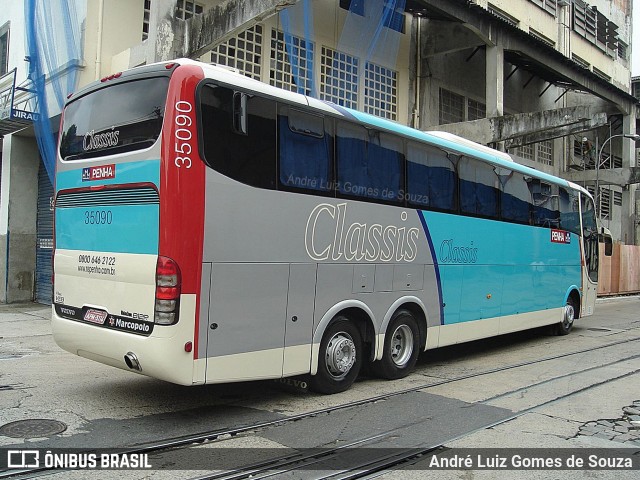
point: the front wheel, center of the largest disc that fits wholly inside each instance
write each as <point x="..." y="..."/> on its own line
<point x="401" y="347"/>
<point x="340" y="357"/>
<point x="568" y="317"/>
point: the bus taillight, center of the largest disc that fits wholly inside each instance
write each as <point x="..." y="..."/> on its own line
<point x="168" y="283"/>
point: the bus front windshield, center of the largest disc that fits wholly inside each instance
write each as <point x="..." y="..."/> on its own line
<point x="119" y="118"/>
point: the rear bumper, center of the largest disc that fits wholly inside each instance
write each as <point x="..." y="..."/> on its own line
<point x="161" y="355"/>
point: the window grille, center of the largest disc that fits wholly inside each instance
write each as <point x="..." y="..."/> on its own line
<point x="526" y="151"/>
<point x="186" y="9"/>
<point x="475" y="110"/>
<point x="451" y="107"/>
<point x="550" y="6"/>
<point x="339" y="78"/>
<point x="145" y="19"/>
<point x="381" y="91"/>
<point x="617" y="198"/>
<point x="282" y="73"/>
<point x="243" y="52"/>
<point x="545" y="152"/>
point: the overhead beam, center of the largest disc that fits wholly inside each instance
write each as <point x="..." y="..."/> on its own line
<point x="526" y="128"/>
<point x="194" y="37"/>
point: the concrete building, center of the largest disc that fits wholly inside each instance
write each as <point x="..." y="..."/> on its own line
<point x="546" y="80"/>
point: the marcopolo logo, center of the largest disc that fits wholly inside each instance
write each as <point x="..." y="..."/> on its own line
<point x="328" y="236"/>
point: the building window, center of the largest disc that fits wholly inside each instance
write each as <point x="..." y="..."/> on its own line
<point x="145" y="19"/>
<point x="622" y="50"/>
<point x="186" y="9"/>
<point x="617" y="198"/>
<point x="381" y="91"/>
<point x="339" y="78"/>
<point x="541" y="152"/>
<point x="291" y="63"/>
<point x="502" y="15"/>
<point x="545" y="152"/>
<point x="4" y="49"/>
<point x="526" y="151"/>
<point x="475" y="110"/>
<point x="393" y="20"/>
<point x="243" y="52"/>
<point x="591" y="24"/>
<point x="605" y="202"/>
<point x="451" y="107"/>
<point x="551" y="6"/>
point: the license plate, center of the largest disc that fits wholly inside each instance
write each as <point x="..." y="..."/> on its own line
<point x="95" y="316"/>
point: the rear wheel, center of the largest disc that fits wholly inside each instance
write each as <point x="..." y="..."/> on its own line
<point x="401" y="347"/>
<point x="340" y="357"/>
<point x="569" y="316"/>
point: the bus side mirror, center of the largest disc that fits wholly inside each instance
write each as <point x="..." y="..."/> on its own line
<point x="605" y="238"/>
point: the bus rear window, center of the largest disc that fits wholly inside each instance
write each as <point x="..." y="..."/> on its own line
<point x="120" y="118"/>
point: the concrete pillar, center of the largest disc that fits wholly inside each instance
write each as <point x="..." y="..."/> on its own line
<point x="628" y="217"/>
<point x="495" y="81"/>
<point x="18" y="208"/>
<point x="162" y="31"/>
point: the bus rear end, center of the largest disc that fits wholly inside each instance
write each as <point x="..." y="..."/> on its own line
<point x="129" y="224"/>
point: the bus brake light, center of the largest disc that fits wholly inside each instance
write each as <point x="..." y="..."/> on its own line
<point x="168" y="286"/>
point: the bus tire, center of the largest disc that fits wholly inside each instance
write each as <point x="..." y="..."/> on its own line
<point x="568" y="317"/>
<point x="401" y="347"/>
<point x="339" y="358"/>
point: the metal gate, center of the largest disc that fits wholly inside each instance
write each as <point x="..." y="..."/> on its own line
<point x="44" y="243"/>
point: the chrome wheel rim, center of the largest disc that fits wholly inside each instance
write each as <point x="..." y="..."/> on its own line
<point x="340" y="355"/>
<point x="401" y="345"/>
<point x="569" y="316"/>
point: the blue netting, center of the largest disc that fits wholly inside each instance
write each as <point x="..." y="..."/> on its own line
<point x="372" y="29"/>
<point x="371" y="33"/>
<point x="300" y="52"/>
<point x="54" y="53"/>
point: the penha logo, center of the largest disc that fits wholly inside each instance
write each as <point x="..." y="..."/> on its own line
<point x="103" y="172"/>
<point x="560" y="236"/>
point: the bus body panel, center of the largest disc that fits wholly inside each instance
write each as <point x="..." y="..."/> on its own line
<point x="114" y="217"/>
<point x="161" y="354"/>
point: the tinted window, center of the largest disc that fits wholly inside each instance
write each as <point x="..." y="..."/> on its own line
<point x="545" y="204"/>
<point x="431" y="178"/>
<point x="479" y="192"/>
<point x="370" y="163"/>
<point x="119" y="118"/>
<point x="569" y="210"/>
<point x="516" y="204"/>
<point x="305" y="151"/>
<point x="239" y="135"/>
<point x="590" y="234"/>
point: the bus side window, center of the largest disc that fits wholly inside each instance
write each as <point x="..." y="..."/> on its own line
<point x="369" y="164"/>
<point x="545" y="204"/>
<point x="431" y="178"/>
<point x="569" y="211"/>
<point x="238" y="133"/>
<point x="305" y="151"/>
<point x="479" y="188"/>
<point x="516" y="204"/>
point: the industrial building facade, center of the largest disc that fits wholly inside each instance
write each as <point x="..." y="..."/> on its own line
<point x="548" y="81"/>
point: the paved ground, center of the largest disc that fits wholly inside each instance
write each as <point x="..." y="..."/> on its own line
<point x="590" y="400"/>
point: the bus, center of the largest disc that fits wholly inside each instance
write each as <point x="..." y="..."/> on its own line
<point x="211" y="228"/>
